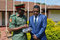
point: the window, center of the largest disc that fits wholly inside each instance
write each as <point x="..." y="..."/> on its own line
<point x="3" y="18"/>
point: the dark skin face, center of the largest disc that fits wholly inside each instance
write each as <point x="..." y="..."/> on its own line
<point x="21" y="12"/>
<point x="36" y="11"/>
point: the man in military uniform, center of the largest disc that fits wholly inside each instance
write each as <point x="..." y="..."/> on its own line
<point x="17" y="23"/>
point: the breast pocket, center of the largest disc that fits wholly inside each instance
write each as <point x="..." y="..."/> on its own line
<point x="24" y="21"/>
<point x="19" y="21"/>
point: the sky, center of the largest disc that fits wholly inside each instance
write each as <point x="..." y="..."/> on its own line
<point x="48" y="2"/>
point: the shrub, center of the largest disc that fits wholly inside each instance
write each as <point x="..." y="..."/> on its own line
<point x="52" y="30"/>
<point x="50" y="23"/>
<point x="57" y="24"/>
<point x="53" y="34"/>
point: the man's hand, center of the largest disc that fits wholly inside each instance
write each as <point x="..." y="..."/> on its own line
<point x="25" y="26"/>
<point x="35" y="37"/>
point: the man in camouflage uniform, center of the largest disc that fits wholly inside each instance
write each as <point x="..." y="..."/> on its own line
<point x="17" y="23"/>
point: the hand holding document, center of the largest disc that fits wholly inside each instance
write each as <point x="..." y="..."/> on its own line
<point x="26" y="30"/>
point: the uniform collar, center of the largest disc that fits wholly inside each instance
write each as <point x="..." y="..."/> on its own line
<point x="19" y="15"/>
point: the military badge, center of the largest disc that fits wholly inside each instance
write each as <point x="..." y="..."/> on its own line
<point x="10" y="20"/>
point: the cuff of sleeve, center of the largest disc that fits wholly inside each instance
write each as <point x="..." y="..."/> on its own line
<point x="38" y="36"/>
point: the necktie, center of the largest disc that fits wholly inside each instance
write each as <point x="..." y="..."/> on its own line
<point x="35" y="21"/>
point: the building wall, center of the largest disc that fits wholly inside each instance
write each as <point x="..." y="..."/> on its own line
<point x="8" y="13"/>
<point x="9" y="5"/>
<point x="54" y="15"/>
<point x="8" y="16"/>
<point x="0" y="18"/>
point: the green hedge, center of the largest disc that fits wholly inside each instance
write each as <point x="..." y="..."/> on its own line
<point x="53" y="34"/>
<point x="52" y="30"/>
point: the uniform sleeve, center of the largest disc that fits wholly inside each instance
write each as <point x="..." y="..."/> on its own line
<point x="44" y="23"/>
<point x="12" y="22"/>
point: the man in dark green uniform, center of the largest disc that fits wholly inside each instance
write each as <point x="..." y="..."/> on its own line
<point x="17" y="23"/>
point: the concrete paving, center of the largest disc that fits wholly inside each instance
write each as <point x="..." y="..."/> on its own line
<point x="3" y="34"/>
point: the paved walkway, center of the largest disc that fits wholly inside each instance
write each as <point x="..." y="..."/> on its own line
<point x="3" y="35"/>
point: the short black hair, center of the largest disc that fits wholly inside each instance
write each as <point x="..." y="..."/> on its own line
<point x="36" y="6"/>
